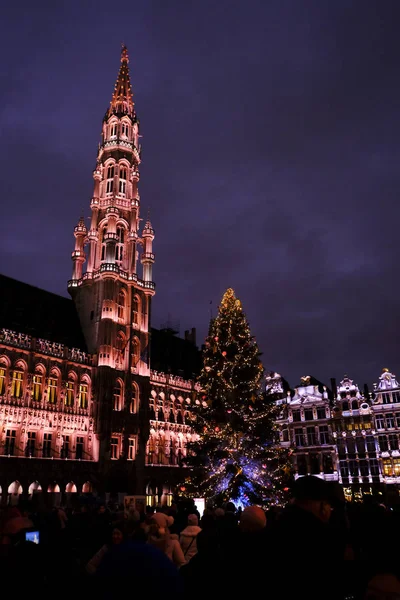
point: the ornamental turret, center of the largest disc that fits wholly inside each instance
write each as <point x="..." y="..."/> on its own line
<point x="147" y="255"/>
<point x="78" y="255"/>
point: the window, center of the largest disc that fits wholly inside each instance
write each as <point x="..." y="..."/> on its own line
<point x="16" y="384"/>
<point x="364" y="471"/>
<point x="65" y="447"/>
<point x="122" y="180"/>
<point x="393" y="441"/>
<point x="354" y="405"/>
<point x="311" y="436"/>
<point x="37" y="388"/>
<point x="396" y="466"/>
<point x="30" y="444"/>
<point x="119" y="247"/>
<point x="353" y="468"/>
<point x="308" y="414"/>
<point x="374" y="467"/>
<point x="113" y="130"/>
<point x="314" y="464"/>
<point x="387" y="467"/>
<point x="103" y="244"/>
<point x="380" y="422"/>
<point x="345" y="406"/>
<point x="47" y="438"/>
<point x="133" y="408"/>
<point x="360" y="443"/>
<point x="2" y="381"/>
<point x="135" y="314"/>
<point x="324" y="434"/>
<point x="70" y="393"/>
<point x="285" y="435"/>
<point x="395" y="397"/>
<point x="52" y="390"/>
<point x="327" y="464"/>
<point x="341" y="446"/>
<point x="351" y="445"/>
<point x="390" y="420"/>
<point x="321" y="412"/>
<point x="110" y="180"/>
<point x="83" y="395"/>
<point x="135" y="353"/>
<point x="11" y="435"/>
<point x="302" y="465"/>
<point x="397" y="415"/>
<point x="117" y="397"/>
<point x="114" y="448"/>
<point x="344" y="468"/>
<point x="371" y="448"/>
<point x="298" y="436"/>
<point x="383" y="443"/>
<point x="121" y="305"/>
<point x="124" y="129"/>
<point x="131" y="449"/>
<point x="79" y="448"/>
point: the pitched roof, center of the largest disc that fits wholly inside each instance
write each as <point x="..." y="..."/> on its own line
<point x="41" y="314"/>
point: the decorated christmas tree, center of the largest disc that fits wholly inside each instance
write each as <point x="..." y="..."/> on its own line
<point x="235" y="456"/>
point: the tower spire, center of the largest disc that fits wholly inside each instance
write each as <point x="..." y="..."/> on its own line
<point x="122" y="98"/>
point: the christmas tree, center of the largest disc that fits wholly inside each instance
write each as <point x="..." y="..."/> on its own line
<point x="234" y="457"/>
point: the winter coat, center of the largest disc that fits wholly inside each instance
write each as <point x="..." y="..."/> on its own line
<point x="188" y="541"/>
<point x="170" y="547"/>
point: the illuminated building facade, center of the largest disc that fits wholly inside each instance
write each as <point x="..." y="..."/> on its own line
<point x="81" y="408"/>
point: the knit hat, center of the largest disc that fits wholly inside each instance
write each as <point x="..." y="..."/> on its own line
<point x="162" y="520"/>
<point x="193" y="520"/>
<point x="253" y="519"/>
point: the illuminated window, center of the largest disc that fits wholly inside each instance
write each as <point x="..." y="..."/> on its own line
<point x="387" y="467"/>
<point x="131" y="449"/>
<point x="114" y="448"/>
<point x="52" y="390"/>
<point x="83" y="395"/>
<point x="9" y="448"/>
<point x="16" y="384"/>
<point x="396" y="466"/>
<point x="135" y="311"/>
<point x="79" y="448"/>
<point x="113" y="130"/>
<point x="121" y="305"/>
<point x="117" y="396"/>
<point x="133" y="408"/>
<point x="70" y="393"/>
<point x="2" y="381"/>
<point x="47" y="439"/>
<point x="30" y="444"/>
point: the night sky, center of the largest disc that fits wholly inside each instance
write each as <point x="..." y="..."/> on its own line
<point x="271" y="147"/>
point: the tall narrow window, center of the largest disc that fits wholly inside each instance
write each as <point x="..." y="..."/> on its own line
<point x="117" y="396"/>
<point x="16" y="384"/>
<point x="70" y="393"/>
<point x="135" y="353"/>
<point x="110" y="180"/>
<point x="121" y="305"/>
<point x="37" y="388"/>
<point x="47" y="439"/>
<point x="79" y="448"/>
<point x="124" y="129"/>
<point x="30" y="444"/>
<point x="119" y="247"/>
<point x="83" y="395"/>
<point x="2" y="381"/>
<point x="134" y="405"/>
<point x="11" y="435"/>
<point x="65" y="447"/>
<point x="113" y="130"/>
<point x="135" y="311"/>
<point x="122" y="181"/>
<point x="52" y="390"/>
<point x="131" y="449"/>
<point x="114" y="448"/>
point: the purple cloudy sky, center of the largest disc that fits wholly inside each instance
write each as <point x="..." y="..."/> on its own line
<point x="271" y="147"/>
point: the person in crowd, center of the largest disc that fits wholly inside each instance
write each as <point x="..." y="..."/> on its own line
<point x="117" y="538"/>
<point x="160" y="537"/>
<point x="188" y="537"/>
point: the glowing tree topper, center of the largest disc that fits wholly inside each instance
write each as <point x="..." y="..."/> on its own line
<point x="234" y="457"/>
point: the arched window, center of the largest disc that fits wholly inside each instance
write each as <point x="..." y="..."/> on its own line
<point x="117" y="395"/>
<point x="134" y="406"/>
<point x="34" y="488"/>
<point x="122" y="180"/>
<point x="71" y="488"/>
<point x="37" y="386"/>
<point x="354" y="405"/>
<point x="119" y="247"/>
<point x="3" y="372"/>
<point x="121" y="305"/>
<point x="87" y="488"/>
<point x="135" y="311"/>
<point x="110" y="180"/>
<point x="103" y="243"/>
<point x="83" y="394"/>
<point x="125" y="130"/>
<point x="70" y="391"/>
<point x="52" y="385"/>
<point x="345" y="405"/>
<point x="17" y="378"/>
<point x="135" y="352"/>
<point x="113" y="130"/>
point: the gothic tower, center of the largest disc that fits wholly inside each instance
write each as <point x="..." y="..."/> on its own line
<point x="113" y="300"/>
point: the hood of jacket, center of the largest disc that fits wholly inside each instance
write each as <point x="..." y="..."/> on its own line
<point x="191" y="530"/>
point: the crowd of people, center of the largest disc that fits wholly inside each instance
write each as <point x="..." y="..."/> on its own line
<point x="318" y="546"/>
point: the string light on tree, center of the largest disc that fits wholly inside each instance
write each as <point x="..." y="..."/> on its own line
<point x="234" y="457"/>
